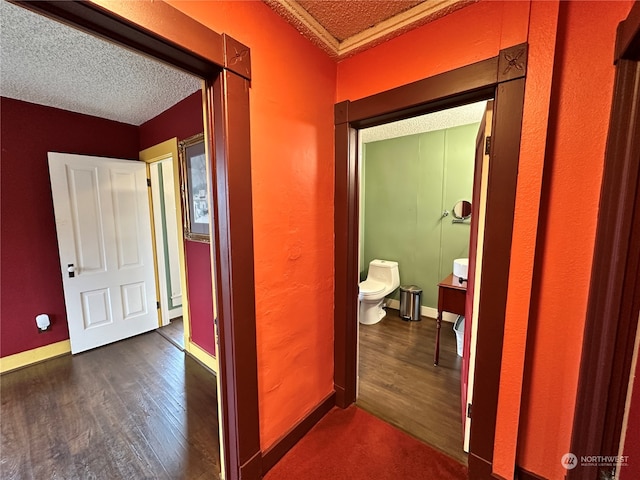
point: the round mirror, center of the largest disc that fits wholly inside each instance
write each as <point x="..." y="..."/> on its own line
<point x="462" y="210"/>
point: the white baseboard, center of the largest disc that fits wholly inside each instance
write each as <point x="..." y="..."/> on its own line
<point x="425" y="311"/>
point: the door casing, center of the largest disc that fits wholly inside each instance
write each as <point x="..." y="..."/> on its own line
<point x="162" y="151"/>
<point x="501" y="78"/>
<point x="160" y="31"/>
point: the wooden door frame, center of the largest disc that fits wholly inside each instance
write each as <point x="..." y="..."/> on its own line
<point x="151" y="156"/>
<point x="502" y="78"/>
<point x="163" y="32"/>
<point x="614" y="291"/>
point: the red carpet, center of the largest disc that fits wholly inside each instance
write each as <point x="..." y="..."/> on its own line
<point x="352" y="445"/>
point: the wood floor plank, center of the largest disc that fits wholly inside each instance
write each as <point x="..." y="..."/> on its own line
<point x="136" y="409"/>
<point x="174" y="332"/>
<point x="399" y="383"/>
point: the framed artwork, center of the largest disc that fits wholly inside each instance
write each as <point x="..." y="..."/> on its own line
<point x="195" y="193"/>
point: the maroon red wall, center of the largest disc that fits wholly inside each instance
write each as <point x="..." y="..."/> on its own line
<point x="184" y="120"/>
<point x="31" y="280"/>
<point x="198" y="262"/>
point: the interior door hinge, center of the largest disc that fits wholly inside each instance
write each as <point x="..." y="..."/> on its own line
<point x="468" y="410"/>
<point x="158" y="305"/>
<point x="148" y="182"/>
<point x="487" y="145"/>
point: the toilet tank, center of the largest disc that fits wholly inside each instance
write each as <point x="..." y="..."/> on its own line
<point x="385" y="271"/>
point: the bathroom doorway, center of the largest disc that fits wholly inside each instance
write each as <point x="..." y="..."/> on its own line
<point x="415" y="176"/>
<point x="501" y="77"/>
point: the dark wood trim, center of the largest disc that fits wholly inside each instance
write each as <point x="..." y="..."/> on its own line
<point x="480" y="81"/>
<point x="614" y="292"/>
<point x="161" y="31"/>
<point x="228" y="99"/>
<point x="341" y="112"/>
<point x="346" y="270"/>
<point x="501" y="191"/>
<point x="252" y="468"/>
<point x="278" y="450"/>
<point x="237" y="57"/>
<point x="154" y="28"/>
<point x="627" y="40"/>
<point x="512" y="62"/>
<point x="479" y="468"/>
<point x="522" y="474"/>
<point x="426" y="95"/>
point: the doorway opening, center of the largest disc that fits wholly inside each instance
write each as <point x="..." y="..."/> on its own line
<point x="182" y="246"/>
<point x="416" y="199"/>
<point x="157" y="29"/>
<point x="501" y="78"/>
<point x="112" y="207"/>
<point x="162" y="160"/>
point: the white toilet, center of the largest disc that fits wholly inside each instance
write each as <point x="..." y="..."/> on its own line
<point x="382" y="279"/>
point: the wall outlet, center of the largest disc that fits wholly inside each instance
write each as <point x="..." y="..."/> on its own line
<point x="43" y="323"/>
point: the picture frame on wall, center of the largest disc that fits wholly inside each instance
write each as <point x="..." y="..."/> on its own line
<point x="195" y="193"/>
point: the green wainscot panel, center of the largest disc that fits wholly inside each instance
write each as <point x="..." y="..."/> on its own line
<point x="406" y="184"/>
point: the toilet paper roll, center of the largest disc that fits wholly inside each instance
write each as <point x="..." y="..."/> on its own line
<point x="461" y="268"/>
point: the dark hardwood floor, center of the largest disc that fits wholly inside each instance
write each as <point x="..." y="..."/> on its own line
<point x="174" y="332"/>
<point x="136" y="409"/>
<point x="399" y="383"/>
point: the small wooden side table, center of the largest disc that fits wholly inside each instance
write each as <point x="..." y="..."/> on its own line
<point x="451" y="298"/>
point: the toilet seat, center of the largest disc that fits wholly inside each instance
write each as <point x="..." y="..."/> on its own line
<point x="370" y="288"/>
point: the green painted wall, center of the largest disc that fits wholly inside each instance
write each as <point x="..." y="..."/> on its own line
<point x="407" y="184"/>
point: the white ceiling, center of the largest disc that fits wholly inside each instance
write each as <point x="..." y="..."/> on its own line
<point x="452" y="117"/>
<point x="45" y="62"/>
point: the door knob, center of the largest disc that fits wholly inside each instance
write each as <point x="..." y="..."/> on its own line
<point x="72" y="270"/>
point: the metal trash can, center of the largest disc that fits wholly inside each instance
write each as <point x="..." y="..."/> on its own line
<point x="410" y="298"/>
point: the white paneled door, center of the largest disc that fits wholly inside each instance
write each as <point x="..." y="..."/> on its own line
<point x="106" y="256"/>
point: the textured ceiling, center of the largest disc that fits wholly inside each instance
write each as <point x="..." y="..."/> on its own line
<point x="343" y="19"/>
<point x="452" y="117"/>
<point x="345" y="27"/>
<point x="45" y="62"/>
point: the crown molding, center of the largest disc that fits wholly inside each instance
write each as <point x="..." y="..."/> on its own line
<point x="293" y="12"/>
<point x="416" y="16"/>
<point x="419" y="15"/>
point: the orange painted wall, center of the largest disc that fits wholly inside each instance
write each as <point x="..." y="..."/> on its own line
<point x="578" y="129"/>
<point x="451" y="42"/>
<point x="292" y="96"/>
<point x="567" y="101"/>
<point x="582" y="91"/>
<point x="469" y="35"/>
<point x="543" y="23"/>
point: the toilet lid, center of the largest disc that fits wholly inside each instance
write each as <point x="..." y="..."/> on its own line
<point x="370" y="287"/>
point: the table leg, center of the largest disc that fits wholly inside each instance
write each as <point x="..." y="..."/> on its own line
<point x="436" y="355"/>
